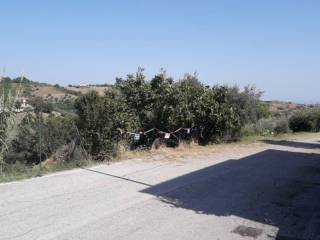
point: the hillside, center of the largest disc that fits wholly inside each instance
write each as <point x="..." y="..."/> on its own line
<point x="49" y="90"/>
<point x="278" y="106"/>
<point x="100" y="89"/>
<point x="30" y="87"/>
<point x="45" y="90"/>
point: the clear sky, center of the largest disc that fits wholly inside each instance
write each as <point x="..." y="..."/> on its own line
<point x="273" y="44"/>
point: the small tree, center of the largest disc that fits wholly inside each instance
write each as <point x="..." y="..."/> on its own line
<point x="99" y="117"/>
<point x="41" y="105"/>
<point x="7" y="102"/>
<point x="56" y="131"/>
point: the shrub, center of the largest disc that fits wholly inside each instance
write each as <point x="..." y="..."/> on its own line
<point x="267" y="126"/>
<point x="301" y="121"/>
<point x="248" y="104"/>
<point x="168" y="105"/>
<point x="316" y="119"/>
<point x="99" y="118"/>
<point x="281" y="126"/>
<point x="56" y="131"/>
<point x="214" y="113"/>
<point x="41" y="105"/>
<point x="249" y="129"/>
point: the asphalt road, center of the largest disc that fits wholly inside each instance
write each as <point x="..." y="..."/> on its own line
<point x="261" y="192"/>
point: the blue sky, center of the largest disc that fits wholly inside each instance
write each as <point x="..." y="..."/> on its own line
<point x="273" y="44"/>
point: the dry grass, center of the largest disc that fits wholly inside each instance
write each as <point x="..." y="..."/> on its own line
<point x="193" y="150"/>
<point x="44" y="91"/>
<point x="186" y="151"/>
<point x="276" y="106"/>
<point x="83" y="90"/>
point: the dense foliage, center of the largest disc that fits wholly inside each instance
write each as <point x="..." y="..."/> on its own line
<point x="92" y="122"/>
<point x="135" y="104"/>
<point x="55" y="131"/>
<point x="305" y="120"/>
<point x="98" y="119"/>
<point x="40" y="105"/>
<point x="7" y="104"/>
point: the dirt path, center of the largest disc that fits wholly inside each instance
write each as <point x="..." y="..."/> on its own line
<point x="249" y="191"/>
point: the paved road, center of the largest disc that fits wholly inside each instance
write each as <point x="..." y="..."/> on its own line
<point x="266" y="191"/>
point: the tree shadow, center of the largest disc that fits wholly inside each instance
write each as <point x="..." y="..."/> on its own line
<point x="273" y="187"/>
<point x="293" y="144"/>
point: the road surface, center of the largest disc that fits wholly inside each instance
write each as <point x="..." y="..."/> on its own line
<point x="257" y="191"/>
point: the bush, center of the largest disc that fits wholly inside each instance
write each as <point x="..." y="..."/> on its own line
<point x="135" y="104"/>
<point x="306" y="120"/>
<point x="316" y="119"/>
<point x="168" y="105"/>
<point x="301" y="121"/>
<point x="41" y="105"/>
<point x="99" y="118"/>
<point x="267" y="126"/>
<point x="56" y="131"/>
<point x="248" y="104"/>
<point x="249" y="129"/>
<point x="282" y="126"/>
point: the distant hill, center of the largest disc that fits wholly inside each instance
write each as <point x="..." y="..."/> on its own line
<point x="45" y="90"/>
<point x="283" y="106"/>
<point x="100" y="88"/>
<point x="54" y="97"/>
<point x="49" y="90"/>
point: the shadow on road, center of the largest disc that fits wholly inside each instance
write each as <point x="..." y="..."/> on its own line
<point x="115" y="176"/>
<point x="272" y="187"/>
<point x="293" y="144"/>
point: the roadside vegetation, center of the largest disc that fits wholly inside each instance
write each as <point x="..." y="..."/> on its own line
<point x="62" y="129"/>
